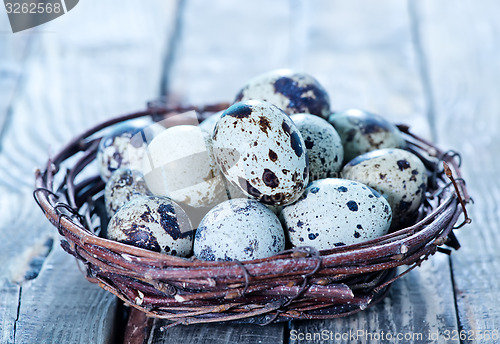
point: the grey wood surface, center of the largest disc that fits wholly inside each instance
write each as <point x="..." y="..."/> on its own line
<point x="432" y="64"/>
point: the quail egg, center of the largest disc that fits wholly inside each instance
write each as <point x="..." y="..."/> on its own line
<point x="336" y="212"/>
<point x="179" y="165"/>
<point x="239" y="229"/>
<point x="209" y="124"/>
<point x="124" y="146"/>
<point x="123" y="185"/>
<point x="323" y="144"/>
<point x="259" y="148"/>
<point x="398" y="175"/>
<point x="363" y="131"/>
<point x="291" y="91"/>
<point x="153" y="223"/>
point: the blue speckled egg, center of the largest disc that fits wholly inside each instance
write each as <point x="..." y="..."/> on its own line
<point x="123" y="185"/>
<point x="323" y="144"/>
<point x="399" y="175"/>
<point x="290" y="91"/>
<point x="239" y="229"/>
<point x="363" y="131"/>
<point x="125" y="145"/>
<point x="335" y="212"/>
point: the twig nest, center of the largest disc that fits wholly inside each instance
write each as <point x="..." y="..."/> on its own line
<point x="260" y="150"/>
<point x="399" y="175"/>
<point x="323" y="144"/>
<point x="239" y="229"/>
<point x="363" y="131"/>
<point x="291" y="91"/>
<point x="336" y="212"/>
<point x="153" y="223"/>
<point x="179" y="165"/>
<point x="123" y="185"/>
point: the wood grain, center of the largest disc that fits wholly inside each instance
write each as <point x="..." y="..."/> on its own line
<point x="218" y="333"/>
<point x="463" y="64"/>
<point x="365" y="57"/>
<point x="98" y="61"/>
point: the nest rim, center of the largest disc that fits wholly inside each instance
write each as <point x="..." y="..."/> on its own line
<point x="219" y="291"/>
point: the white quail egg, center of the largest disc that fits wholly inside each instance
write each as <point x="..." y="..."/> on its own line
<point x="323" y="144"/>
<point x="123" y="185"/>
<point x="209" y="123"/>
<point x="153" y="223"/>
<point x="179" y="165"/>
<point x="291" y="91"/>
<point x="336" y="212"/>
<point x="259" y="149"/>
<point x="124" y="146"/>
<point x="363" y="131"/>
<point x="399" y="175"/>
<point x="239" y="229"/>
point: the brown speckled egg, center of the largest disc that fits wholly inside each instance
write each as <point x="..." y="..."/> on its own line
<point x="323" y="144"/>
<point x="153" y="223"/>
<point x="180" y="165"/>
<point x="124" y="146"/>
<point x="123" y="185"/>
<point x="336" y="212"/>
<point x="260" y="150"/>
<point x="363" y="131"/>
<point x="239" y="229"/>
<point x="291" y="91"/>
<point x="398" y="175"/>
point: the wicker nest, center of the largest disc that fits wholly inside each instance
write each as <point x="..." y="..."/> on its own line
<point x="300" y="283"/>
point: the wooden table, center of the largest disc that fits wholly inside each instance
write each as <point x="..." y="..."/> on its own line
<point x="432" y="64"/>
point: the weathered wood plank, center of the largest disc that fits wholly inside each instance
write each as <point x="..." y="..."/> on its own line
<point x="65" y="310"/>
<point x="460" y="42"/>
<point x="223" y="44"/>
<point x="365" y="56"/>
<point x="218" y="333"/>
<point x="99" y="60"/>
<point x="9" y="300"/>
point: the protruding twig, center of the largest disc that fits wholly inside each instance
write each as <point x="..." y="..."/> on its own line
<point x="449" y="174"/>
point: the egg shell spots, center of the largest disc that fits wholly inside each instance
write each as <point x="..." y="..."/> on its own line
<point x="260" y="151"/>
<point x="399" y="175"/>
<point x="362" y="132"/>
<point x="153" y="223"/>
<point x="123" y="185"/>
<point x="335" y="212"/>
<point x="323" y="144"/>
<point x="291" y="91"/>
<point x="239" y="229"/>
<point x="180" y="165"/>
<point x="124" y="146"/>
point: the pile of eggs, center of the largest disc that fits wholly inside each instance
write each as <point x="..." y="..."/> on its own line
<point x="276" y="169"/>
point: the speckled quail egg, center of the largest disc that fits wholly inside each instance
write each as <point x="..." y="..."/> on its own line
<point x="399" y="175"/>
<point x="323" y="144"/>
<point x="336" y="212"/>
<point x="363" y="131"/>
<point x="291" y="91"/>
<point x="124" y="145"/>
<point x="239" y="229"/>
<point x="153" y="223"/>
<point x="236" y="192"/>
<point x="123" y="185"/>
<point x="259" y="149"/>
<point x="179" y="165"/>
<point x="209" y="124"/>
